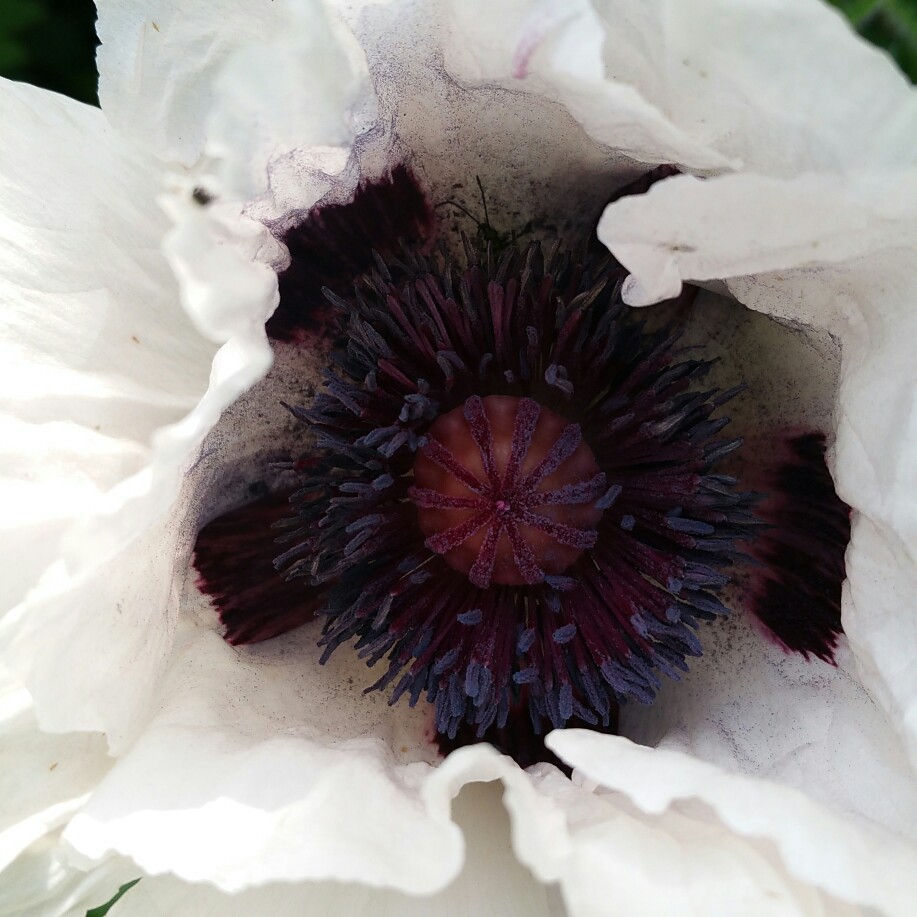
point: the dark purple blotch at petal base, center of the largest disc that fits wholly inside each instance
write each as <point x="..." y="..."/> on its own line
<point x="797" y="591"/>
<point x="334" y="244"/>
<point x="234" y="557"/>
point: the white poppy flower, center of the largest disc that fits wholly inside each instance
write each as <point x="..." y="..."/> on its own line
<point x="140" y="402"/>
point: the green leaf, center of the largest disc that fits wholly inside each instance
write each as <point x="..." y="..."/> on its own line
<point x="103" y="909"/>
<point x="890" y="24"/>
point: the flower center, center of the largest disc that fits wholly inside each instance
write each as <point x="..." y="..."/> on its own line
<point x="506" y="491"/>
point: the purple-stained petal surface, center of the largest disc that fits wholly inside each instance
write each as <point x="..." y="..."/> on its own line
<point x="333" y="244"/>
<point x="234" y="556"/>
<point x="797" y="592"/>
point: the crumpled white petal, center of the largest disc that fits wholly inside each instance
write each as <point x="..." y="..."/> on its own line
<point x="855" y="862"/>
<point x="562" y="50"/>
<point x="97" y="360"/>
<point x="44" y="778"/>
<point x="748" y="708"/>
<point x="735" y="225"/>
<point x="252" y="83"/>
<point x="287" y="773"/>
<point x="228" y="288"/>
<point x="43" y="882"/>
<point x="87" y="380"/>
<point x="771" y="86"/>
<point x="492" y="881"/>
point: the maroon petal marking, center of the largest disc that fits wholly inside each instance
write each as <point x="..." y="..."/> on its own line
<point x="334" y="244"/>
<point x="797" y="593"/>
<point x="234" y="557"/>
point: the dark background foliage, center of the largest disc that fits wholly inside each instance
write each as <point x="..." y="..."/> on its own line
<point x="890" y="24"/>
<point x="51" y="43"/>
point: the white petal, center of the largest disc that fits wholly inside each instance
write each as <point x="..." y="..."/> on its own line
<point x="693" y="229"/>
<point x="853" y="861"/>
<point x="99" y="356"/>
<point x="42" y="882"/>
<point x="266" y="791"/>
<point x="778" y="86"/>
<point x="245" y="83"/>
<point x="83" y="375"/>
<point x="752" y="709"/>
<point x="491" y="882"/>
<point x="683" y="860"/>
<point x="562" y="49"/>
<point x="307" y="88"/>
<point x="106" y="390"/>
<point x="43" y="778"/>
<point x="531" y="155"/>
<point x="746" y="704"/>
<point x="158" y="65"/>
